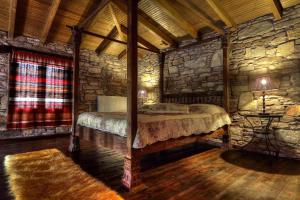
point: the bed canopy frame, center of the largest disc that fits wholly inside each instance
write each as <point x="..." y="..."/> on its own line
<point x="131" y="177"/>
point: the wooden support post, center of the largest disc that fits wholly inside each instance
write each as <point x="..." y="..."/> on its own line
<point x="131" y="176"/>
<point x="226" y="103"/>
<point x="161" y="76"/>
<point x="226" y="72"/>
<point x="74" y="139"/>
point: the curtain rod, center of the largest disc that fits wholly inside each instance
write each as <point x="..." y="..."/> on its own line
<point x="8" y="48"/>
<point x="112" y="39"/>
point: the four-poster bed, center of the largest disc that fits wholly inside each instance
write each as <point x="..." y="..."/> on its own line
<point x="124" y="145"/>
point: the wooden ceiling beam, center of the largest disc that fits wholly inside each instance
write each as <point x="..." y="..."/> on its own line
<point x="53" y="10"/>
<point x="221" y="12"/>
<point x="88" y="20"/>
<point x="12" y="18"/>
<point x="105" y="43"/>
<point x="194" y="9"/>
<point x="169" y="9"/>
<point x="148" y="22"/>
<point x="122" y="54"/>
<point x="141" y="40"/>
<point x="276" y="9"/>
<point x="116" y="22"/>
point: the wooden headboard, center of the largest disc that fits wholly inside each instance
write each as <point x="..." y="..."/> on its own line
<point x="216" y="98"/>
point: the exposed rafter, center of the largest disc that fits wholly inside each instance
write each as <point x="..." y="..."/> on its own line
<point x="169" y="9"/>
<point x="193" y="8"/>
<point x="105" y="43"/>
<point x="12" y="18"/>
<point x="141" y="40"/>
<point x="54" y="7"/>
<point x="152" y="25"/>
<point x="276" y="9"/>
<point x="116" y="22"/>
<point x="122" y="54"/>
<point x="219" y="10"/>
<point x="95" y="10"/>
<point x="118" y="26"/>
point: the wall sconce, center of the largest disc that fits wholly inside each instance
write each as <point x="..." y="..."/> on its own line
<point x="142" y="94"/>
<point x="149" y="80"/>
<point x="263" y="84"/>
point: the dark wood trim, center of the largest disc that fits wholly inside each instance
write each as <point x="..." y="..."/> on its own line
<point x="9" y="48"/>
<point x="199" y="42"/>
<point x="105" y="43"/>
<point x="131" y="177"/>
<point x="111" y="39"/>
<point x="195" y="98"/>
<point x="161" y="76"/>
<point x="100" y="138"/>
<point x="122" y="54"/>
<point x="132" y="72"/>
<point x="226" y="90"/>
<point x="30" y="138"/>
<point x="77" y="36"/>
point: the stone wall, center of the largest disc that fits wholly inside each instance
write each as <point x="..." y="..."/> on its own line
<point x="260" y="47"/>
<point x="106" y="75"/>
<point x="99" y="75"/>
<point x="195" y="69"/>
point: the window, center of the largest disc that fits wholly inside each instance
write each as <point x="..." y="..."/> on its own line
<point x="40" y="91"/>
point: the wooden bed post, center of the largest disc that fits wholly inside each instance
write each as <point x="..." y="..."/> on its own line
<point x="226" y="103"/>
<point x="131" y="176"/>
<point x="161" y="76"/>
<point x="74" y="140"/>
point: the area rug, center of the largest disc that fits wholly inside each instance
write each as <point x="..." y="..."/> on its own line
<point x="49" y="175"/>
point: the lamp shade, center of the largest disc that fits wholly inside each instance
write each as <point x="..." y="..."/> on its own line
<point x="142" y="93"/>
<point x="264" y="83"/>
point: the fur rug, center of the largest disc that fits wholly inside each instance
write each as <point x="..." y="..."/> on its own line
<point x="49" y="175"/>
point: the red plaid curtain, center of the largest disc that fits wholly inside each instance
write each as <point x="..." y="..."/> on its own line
<point x="40" y="93"/>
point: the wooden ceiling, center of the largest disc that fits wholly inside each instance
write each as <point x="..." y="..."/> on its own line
<point x="162" y="23"/>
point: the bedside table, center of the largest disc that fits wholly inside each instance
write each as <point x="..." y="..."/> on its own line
<point x="265" y="128"/>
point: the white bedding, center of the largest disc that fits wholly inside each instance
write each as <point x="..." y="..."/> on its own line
<point x="155" y="127"/>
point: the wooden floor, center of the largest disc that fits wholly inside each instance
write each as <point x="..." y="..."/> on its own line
<point x="200" y="172"/>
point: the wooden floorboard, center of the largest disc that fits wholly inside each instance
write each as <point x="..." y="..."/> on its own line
<point x="199" y="172"/>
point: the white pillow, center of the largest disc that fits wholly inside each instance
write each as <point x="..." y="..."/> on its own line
<point x="206" y="108"/>
<point x="111" y="104"/>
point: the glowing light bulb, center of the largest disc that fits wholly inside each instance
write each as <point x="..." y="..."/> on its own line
<point x="263" y="81"/>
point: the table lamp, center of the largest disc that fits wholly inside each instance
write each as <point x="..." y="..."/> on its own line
<point x="142" y="94"/>
<point x="263" y="84"/>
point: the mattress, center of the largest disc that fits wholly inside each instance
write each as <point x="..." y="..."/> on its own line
<point x="155" y="127"/>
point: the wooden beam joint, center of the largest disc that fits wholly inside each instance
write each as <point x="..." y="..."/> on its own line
<point x="12" y="18"/>
<point x="277" y="9"/>
<point x="50" y="19"/>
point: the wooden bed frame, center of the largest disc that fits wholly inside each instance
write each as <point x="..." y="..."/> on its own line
<point x="117" y="143"/>
<point x="131" y="177"/>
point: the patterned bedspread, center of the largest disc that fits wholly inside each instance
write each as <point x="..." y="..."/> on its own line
<point x="155" y="127"/>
